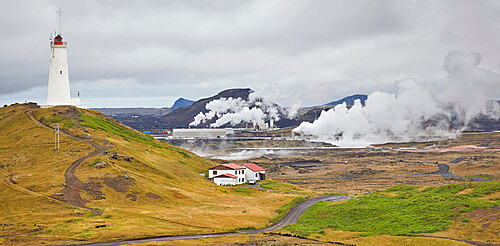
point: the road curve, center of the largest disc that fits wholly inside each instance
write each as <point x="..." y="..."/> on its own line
<point x="444" y="171"/>
<point x="73" y="185"/>
<point x="291" y="217"/>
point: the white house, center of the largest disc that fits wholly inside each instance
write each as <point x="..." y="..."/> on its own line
<point x="227" y="174"/>
<point x="233" y="174"/>
<point x="254" y="172"/>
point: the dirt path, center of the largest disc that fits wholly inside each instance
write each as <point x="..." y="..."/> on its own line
<point x="290" y="218"/>
<point x="73" y="185"/>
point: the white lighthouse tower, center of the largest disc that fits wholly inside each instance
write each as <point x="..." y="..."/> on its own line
<point x="58" y="91"/>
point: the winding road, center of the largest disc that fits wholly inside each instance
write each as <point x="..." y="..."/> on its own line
<point x="73" y="185"/>
<point x="291" y="218"/>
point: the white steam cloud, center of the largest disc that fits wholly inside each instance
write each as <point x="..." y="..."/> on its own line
<point x="237" y="110"/>
<point x="416" y="111"/>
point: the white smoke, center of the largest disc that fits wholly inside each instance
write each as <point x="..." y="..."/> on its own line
<point x="237" y="110"/>
<point x="415" y="112"/>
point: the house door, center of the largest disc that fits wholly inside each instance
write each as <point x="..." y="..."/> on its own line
<point x="262" y="176"/>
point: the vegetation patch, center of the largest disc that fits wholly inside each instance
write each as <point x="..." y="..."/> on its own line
<point x="242" y="191"/>
<point x="275" y="185"/>
<point x="409" y="212"/>
<point x="247" y="228"/>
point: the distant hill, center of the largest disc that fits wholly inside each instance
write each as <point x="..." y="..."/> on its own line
<point x="350" y="100"/>
<point x="181" y="102"/>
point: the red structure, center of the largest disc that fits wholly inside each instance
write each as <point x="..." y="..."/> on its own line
<point x="58" y="40"/>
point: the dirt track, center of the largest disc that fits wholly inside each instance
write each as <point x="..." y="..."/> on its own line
<point x="73" y="185"/>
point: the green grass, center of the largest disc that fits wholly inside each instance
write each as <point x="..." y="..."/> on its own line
<point x="409" y="212"/>
<point x="242" y="229"/>
<point x="127" y="134"/>
<point x="275" y="185"/>
<point x="243" y="191"/>
<point x="283" y="210"/>
<point x="102" y="124"/>
<point x="62" y="121"/>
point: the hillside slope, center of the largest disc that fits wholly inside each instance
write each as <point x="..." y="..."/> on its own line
<point x="145" y="188"/>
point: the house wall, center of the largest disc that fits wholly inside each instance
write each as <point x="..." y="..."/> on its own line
<point x="239" y="173"/>
<point x="225" y="181"/>
<point x="251" y="175"/>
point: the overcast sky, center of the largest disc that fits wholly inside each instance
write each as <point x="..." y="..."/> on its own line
<point x="149" y="53"/>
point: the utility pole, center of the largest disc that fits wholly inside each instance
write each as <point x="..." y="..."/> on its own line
<point x="56" y="136"/>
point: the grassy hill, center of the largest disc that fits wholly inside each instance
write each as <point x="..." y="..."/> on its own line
<point x="145" y="188"/>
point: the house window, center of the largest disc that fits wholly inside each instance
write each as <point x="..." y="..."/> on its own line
<point x="215" y="172"/>
<point x="256" y="175"/>
<point x="60" y="72"/>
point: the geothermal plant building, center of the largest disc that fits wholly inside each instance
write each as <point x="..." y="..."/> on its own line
<point x="201" y="133"/>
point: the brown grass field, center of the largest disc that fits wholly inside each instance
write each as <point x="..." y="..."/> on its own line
<point x="158" y="192"/>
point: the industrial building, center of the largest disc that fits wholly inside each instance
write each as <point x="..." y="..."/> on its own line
<point x="202" y="133"/>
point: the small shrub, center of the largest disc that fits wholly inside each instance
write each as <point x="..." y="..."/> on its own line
<point x="95" y="162"/>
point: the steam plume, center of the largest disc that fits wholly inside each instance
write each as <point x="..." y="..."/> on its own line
<point x="237" y="110"/>
<point x="416" y="112"/>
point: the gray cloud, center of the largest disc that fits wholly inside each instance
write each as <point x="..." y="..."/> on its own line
<point x="194" y="49"/>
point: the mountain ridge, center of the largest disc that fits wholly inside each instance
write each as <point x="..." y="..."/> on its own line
<point x="349" y="100"/>
<point x="182" y="102"/>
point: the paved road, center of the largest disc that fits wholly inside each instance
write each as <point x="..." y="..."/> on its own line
<point x="291" y="218"/>
<point x="444" y="171"/>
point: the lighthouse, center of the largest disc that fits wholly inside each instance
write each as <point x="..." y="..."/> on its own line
<point x="58" y="90"/>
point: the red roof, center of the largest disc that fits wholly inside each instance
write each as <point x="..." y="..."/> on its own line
<point x="230" y="166"/>
<point x="254" y="167"/>
<point x="233" y="166"/>
<point x="227" y="175"/>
